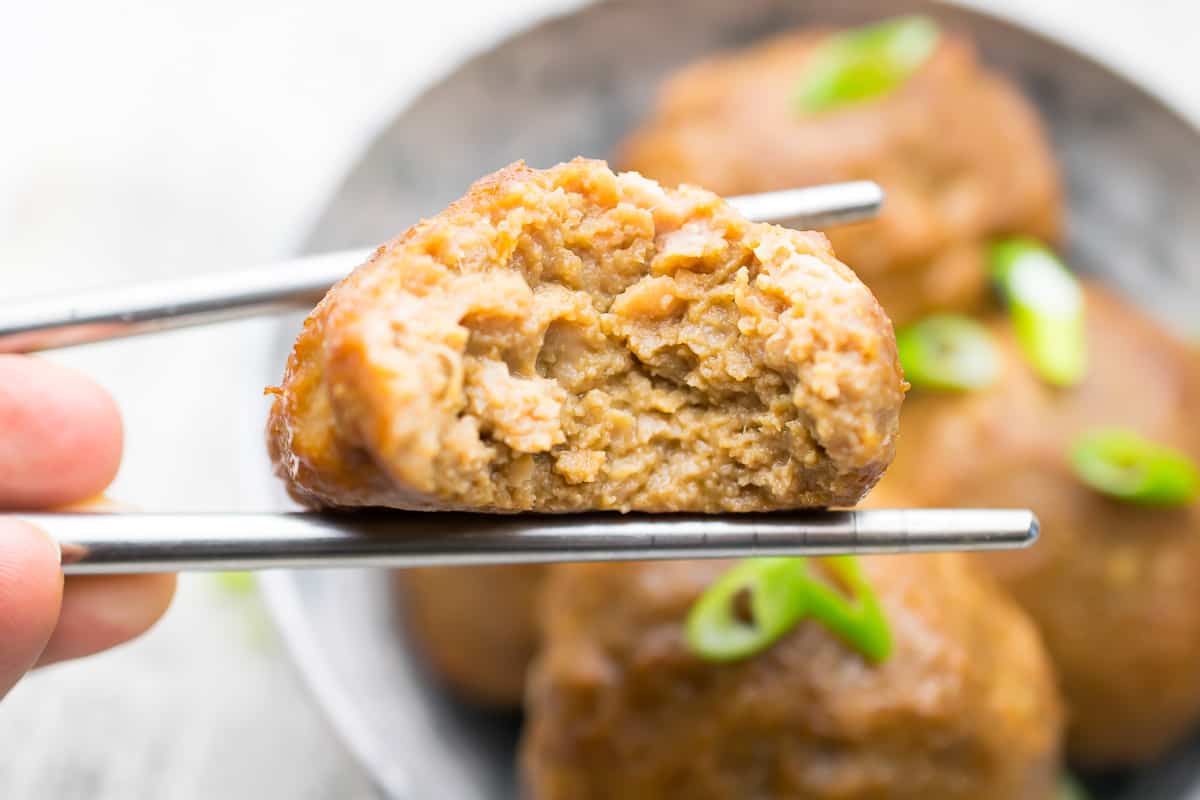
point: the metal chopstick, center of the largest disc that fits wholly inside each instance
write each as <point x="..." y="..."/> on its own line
<point x="168" y="542"/>
<point x="59" y="321"/>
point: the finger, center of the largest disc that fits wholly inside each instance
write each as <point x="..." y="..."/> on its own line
<point x="30" y="593"/>
<point x="60" y="435"/>
<point x="102" y="611"/>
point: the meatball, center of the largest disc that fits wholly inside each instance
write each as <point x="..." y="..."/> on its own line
<point x="959" y="152"/>
<point x="476" y="626"/>
<point x="1114" y="588"/>
<point x="571" y="339"/>
<point x="617" y="706"/>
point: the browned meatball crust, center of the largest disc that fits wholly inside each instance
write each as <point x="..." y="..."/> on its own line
<point x="570" y="339"/>
<point x="476" y="626"/>
<point x="959" y="151"/>
<point x="617" y="706"/>
<point x="1114" y="588"/>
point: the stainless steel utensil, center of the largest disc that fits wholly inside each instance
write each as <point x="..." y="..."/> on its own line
<point x="91" y="316"/>
<point x="119" y="542"/>
<point x="169" y="542"/>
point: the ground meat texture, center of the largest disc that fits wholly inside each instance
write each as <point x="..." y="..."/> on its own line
<point x="1114" y="588"/>
<point x="618" y="707"/>
<point x="570" y="339"/>
<point x="475" y="626"/>
<point x="960" y="153"/>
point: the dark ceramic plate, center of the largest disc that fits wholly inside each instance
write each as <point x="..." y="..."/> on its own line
<point x="574" y="86"/>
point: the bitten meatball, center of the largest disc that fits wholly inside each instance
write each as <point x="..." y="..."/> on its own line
<point x="965" y="706"/>
<point x="1114" y="587"/>
<point x="571" y="339"/>
<point x="959" y="152"/>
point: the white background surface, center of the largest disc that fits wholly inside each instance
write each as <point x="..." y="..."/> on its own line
<point x="144" y="138"/>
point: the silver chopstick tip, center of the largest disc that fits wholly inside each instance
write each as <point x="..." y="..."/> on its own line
<point x="999" y="529"/>
<point x="1035" y="530"/>
<point x="934" y="529"/>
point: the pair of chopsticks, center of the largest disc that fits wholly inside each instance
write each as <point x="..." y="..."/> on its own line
<point x="153" y="542"/>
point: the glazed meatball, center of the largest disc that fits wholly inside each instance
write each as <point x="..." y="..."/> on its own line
<point x="475" y="626"/>
<point x="1114" y="587"/>
<point x="959" y="152"/>
<point x="618" y="706"/>
<point x="571" y="339"/>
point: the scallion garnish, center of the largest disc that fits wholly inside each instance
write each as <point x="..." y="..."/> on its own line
<point x="760" y="599"/>
<point x="747" y="609"/>
<point x="865" y="63"/>
<point x="859" y="620"/>
<point x="1046" y="305"/>
<point x="1126" y="465"/>
<point x="948" y="352"/>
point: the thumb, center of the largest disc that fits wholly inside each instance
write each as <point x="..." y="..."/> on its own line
<point x="30" y="594"/>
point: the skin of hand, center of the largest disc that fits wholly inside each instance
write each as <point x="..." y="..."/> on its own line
<point x="60" y="445"/>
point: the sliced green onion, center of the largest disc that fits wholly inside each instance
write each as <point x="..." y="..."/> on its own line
<point x="859" y="620"/>
<point x="948" y="352"/>
<point x="775" y="600"/>
<point x="1130" y="467"/>
<point x="237" y="583"/>
<point x="1046" y="305"/>
<point x="1070" y="789"/>
<point x="865" y="63"/>
<point x="756" y="602"/>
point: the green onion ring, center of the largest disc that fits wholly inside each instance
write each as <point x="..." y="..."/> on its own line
<point x="780" y="592"/>
<point x="948" y="352"/>
<point x="1046" y="306"/>
<point x="860" y="623"/>
<point x="865" y="63"/>
<point x="776" y="601"/>
<point x="1125" y="465"/>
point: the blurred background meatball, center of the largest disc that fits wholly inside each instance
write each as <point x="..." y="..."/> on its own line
<point x="618" y="706"/>
<point x="960" y="153"/>
<point x="1114" y="586"/>
<point x="475" y="626"/>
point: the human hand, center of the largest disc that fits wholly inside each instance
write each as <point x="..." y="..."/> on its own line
<point x="60" y="444"/>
